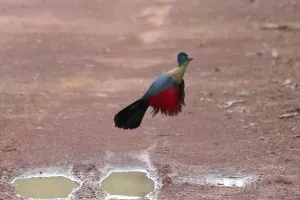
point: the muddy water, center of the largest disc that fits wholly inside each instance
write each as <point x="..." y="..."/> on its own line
<point x="130" y="184"/>
<point x="45" y="187"/>
<point x="130" y="199"/>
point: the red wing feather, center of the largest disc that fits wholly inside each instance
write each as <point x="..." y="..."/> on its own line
<point x="167" y="102"/>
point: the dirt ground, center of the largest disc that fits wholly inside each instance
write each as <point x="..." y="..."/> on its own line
<point x="68" y="66"/>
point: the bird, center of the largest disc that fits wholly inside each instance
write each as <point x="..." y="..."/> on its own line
<point x="165" y="95"/>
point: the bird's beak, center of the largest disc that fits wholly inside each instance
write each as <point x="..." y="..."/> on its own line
<point x="190" y="58"/>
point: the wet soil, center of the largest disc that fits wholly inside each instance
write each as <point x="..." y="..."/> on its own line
<point x="68" y="66"/>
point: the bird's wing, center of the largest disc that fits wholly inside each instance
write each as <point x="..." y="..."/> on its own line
<point x="165" y="95"/>
<point x="160" y="84"/>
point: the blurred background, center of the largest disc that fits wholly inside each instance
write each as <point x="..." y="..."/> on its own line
<point x="68" y="66"/>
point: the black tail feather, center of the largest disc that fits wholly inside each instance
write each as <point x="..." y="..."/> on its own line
<point x="131" y="116"/>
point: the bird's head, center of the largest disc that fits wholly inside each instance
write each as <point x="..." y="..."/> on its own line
<point x="183" y="59"/>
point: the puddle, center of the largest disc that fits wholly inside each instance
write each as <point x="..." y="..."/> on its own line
<point x="130" y="199"/>
<point x="216" y="180"/>
<point x="232" y="181"/>
<point x="127" y="185"/>
<point x="45" y="187"/>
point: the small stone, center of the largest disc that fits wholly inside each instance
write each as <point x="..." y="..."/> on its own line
<point x="274" y="54"/>
<point x="288" y="115"/>
<point x="274" y="26"/>
<point x="225" y="92"/>
<point x="167" y="180"/>
<point x="217" y="69"/>
<point x="287" y="81"/>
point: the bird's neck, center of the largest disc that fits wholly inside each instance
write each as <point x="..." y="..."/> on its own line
<point x="183" y="66"/>
<point x="178" y="72"/>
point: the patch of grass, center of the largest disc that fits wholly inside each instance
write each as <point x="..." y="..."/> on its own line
<point x="242" y="94"/>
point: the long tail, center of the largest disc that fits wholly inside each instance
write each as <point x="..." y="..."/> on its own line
<point x="131" y="116"/>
